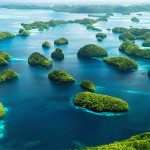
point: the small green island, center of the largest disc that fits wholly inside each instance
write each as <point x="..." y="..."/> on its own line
<point x="37" y="59"/>
<point x="137" y="142"/>
<point x="4" y="57"/>
<point x="7" y="75"/>
<point x="121" y="63"/>
<point x="132" y="49"/>
<point x="61" y="41"/>
<point x="60" y="76"/>
<point x="46" y="44"/>
<point x="57" y="54"/>
<point x="100" y="103"/>
<point x="91" y="50"/>
<point x="2" y="111"/>
<point x="88" y="85"/>
<point x="3" y="61"/>
<point x="100" y="36"/>
<point x="91" y="27"/>
<point x="5" y="35"/>
<point x="135" y="19"/>
<point x="23" y="32"/>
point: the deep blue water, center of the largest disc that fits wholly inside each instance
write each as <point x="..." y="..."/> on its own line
<point x="40" y="113"/>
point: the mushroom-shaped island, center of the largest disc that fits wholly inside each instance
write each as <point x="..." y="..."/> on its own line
<point x="88" y="85"/>
<point x="100" y="103"/>
<point x="7" y="75"/>
<point x="2" y="111"/>
<point x="23" y="32"/>
<point x="46" y="44"/>
<point x="61" y="41"/>
<point x="60" y="76"/>
<point x="122" y="63"/>
<point x="37" y="59"/>
<point x="91" y="50"/>
<point x="57" y="54"/>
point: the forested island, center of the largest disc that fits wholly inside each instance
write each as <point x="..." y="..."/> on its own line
<point x="60" y="76"/>
<point x="37" y="59"/>
<point x="100" y="102"/>
<point x="91" y="50"/>
<point x="57" y="54"/>
<point x="7" y="75"/>
<point x="88" y="85"/>
<point x="41" y="25"/>
<point x="133" y="34"/>
<point x="137" y="142"/>
<point x="122" y="63"/>
<point x="46" y="44"/>
<point x="134" y="19"/>
<point x="61" y="41"/>
<point x="85" y="8"/>
<point x="5" y="35"/>
<point x="132" y="49"/>
<point x="4" y="57"/>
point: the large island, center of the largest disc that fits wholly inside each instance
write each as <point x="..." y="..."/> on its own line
<point x="100" y="103"/>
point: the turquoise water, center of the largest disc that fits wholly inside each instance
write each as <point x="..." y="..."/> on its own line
<point x="41" y="115"/>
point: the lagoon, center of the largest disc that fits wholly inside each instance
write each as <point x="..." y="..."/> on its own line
<point x="40" y="114"/>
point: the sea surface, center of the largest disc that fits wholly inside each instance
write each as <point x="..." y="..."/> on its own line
<point x="40" y="114"/>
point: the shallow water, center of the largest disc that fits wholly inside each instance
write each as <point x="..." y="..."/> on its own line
<point x="40" y="114"/>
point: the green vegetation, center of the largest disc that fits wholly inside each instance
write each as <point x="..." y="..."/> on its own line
<point x="91" y="50"/>
<point x="7" y="75"/>
<point x="41" y="25"/>
<point x="119" y="30"/>
<point x="2" y="111"/>
<point x="37" y="59"/>
<point x="4" y="58"/>
<point x="5" y="35"/>
<point x="5" y="55"/>
<point x="3" y="61"/>
<point x="134" y="19"/>
<point x="88" y="85"/>
<point x="100" y="103"/>
<point x="137" y="142"/>
<point x="61" y="41"/>
<point x="46" y="44"/>
<point x="133" y="34"/>
<point x="57" y="54"/>
<point x="122" y="63"/>
<point x="85" y="8"/>
<point x="60" y="76"/>
<point x="91" y="27"/>
<point x="23" y="32"/>
<point x="101" y="8"/>
<point x="132" y="49"/>
<point x="146" y="43"/>
<point x="100" y="36"/>
<point x="127" y="35"/>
